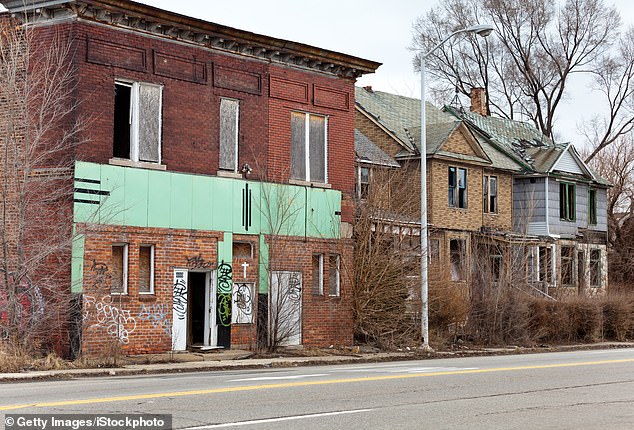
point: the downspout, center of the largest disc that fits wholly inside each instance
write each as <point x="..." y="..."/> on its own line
<point x="547" y="211"/>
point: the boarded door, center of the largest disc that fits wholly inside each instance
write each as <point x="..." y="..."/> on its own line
<point x="285" y="308"/>
<point x="179" y="311"/>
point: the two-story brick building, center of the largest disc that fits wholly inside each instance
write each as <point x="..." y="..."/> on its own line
<point x="213" y="199"/>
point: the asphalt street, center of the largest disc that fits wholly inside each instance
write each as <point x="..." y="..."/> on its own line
<point x="571" y="390"/>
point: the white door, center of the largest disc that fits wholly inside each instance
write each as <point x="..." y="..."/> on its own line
<point x="285" y="308"/>
<point x="211" y="325"/>
<point x="179" y="310"/>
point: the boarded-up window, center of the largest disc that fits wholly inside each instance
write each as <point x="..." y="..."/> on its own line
<point x="146" y="269"/>
<point x="229" y="117"/>
<point x="334" y="277"/>
<point x="308" y="147"/>
<point x="119" y="264"/>
<point x="318" y="274"/>
<point x="149" y="141"/>
<point x="242" y="250"/>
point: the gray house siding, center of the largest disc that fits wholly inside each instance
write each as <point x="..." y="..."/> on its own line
<point x="571" y="228"/>
<point x="529" y="205"/>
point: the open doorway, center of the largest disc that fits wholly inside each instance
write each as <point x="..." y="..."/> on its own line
<point x="202" y="330"/>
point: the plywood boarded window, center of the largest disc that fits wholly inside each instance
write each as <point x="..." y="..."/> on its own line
<point x="119" y="265"/>
<point x="229" y="128"/>
<point x="308" y="147"/>
<point x="146" y="269"/>
<point x="137" y="121"/>
<point x="334" y="276"/>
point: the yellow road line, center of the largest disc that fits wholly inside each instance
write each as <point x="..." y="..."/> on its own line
<point x="304" y="384"/>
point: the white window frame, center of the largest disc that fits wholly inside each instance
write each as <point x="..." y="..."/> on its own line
<point x="338" y="275"/>
<point x="235" y="167"/>
<point x="307" y="116"/>
<point x="134" y="119"/>
<point x="124" y="270"/>
<point x="152" y="247"/>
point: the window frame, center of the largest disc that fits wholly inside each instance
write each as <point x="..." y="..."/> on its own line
<point x="363" y="188"/>
<point x="124" y="269"/>
<point x="134" y="120"/>
<point x="461" y="252"/>
<point x="568" y="201"/>
<point x="595" y="264"/>
<point x="235" y="144"/>
<point x="456" y="192"/>
<point x="318" y="290"/>
<point x="592" y="206"/>
<point x="568" y="260"/>
<point x="490" y="199"/>
<point x="152" y="270"/>
<point x="306" y="144"/>
<point x="337" y="275"/>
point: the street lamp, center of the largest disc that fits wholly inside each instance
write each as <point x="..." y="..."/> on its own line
<point x="482" y="30"/>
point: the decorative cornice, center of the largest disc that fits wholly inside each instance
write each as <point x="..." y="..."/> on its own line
<point x="158" y="22"/>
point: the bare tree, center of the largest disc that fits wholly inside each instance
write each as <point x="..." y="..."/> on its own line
<point x="39" y="129"/>
<point x="527" y="66"/>
<point x="616" y="164"/>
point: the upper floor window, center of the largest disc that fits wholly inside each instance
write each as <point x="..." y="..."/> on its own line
<point x="363" y="183"/>
<point x="229" y="126"/>
<point x="457" y="187"/>
<point x="592" y="207"/>
<point x="137" y="122"/>
<point x="567" y="201"/>
<point x="308" y="147"/>
<point x="490" y="194"/>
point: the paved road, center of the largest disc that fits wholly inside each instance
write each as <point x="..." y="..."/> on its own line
<point x="572" y="390"/>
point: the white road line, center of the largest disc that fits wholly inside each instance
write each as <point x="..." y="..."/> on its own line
<point x="273" y="378"/>
<point x="275" y="420"/>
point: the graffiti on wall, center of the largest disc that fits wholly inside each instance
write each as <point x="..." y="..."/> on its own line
<point x="242" y="312"/>
<point x="158" y="315"/>
<point x="28" y="304"/>
<point x="224" y="294"/>
<point x="179" y="297"/>
<point x="105" y="314"/>
<point x="198" y="262"/>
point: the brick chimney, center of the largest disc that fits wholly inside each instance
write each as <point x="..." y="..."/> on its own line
<point x="479" y="102"/>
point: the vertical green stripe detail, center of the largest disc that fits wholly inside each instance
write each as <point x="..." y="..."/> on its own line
<point x="77" y="263"/>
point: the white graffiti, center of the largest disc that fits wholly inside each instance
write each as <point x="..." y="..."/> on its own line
<point x="117" y="322"/>
<point x="157" y="314"/>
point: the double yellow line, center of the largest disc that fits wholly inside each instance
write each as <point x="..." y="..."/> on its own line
<point x="303" y="384"/>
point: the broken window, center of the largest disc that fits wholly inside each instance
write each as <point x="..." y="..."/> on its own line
<point x="364" y="182"/>
<point x="457" y="249"/>
<point x="119" y="271"/>
<point x="592" y="207"/>
<point x="318" y="274"/>
<point x="146" y="269"/>
<point x="308" y="147"/>
<point x="567" y="201"/>
<point x="457" y="187"/>
<point x="334" y="278"/>
<point x="490" y="194"/>
<point x="595" y="268"/>
<point x="137" y="122"/>
<point x="229" y="126"/>
<point x="567" y="265"/>
<point x="242" y="250"/>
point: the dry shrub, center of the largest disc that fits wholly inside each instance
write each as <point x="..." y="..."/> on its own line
<point x="448" y="304"/>
<point x="584" y="319"/>
<point x="618" y="316"/>
<point x="17" y="359"/>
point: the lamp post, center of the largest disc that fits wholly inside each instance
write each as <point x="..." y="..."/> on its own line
<point x="482" y="30"/>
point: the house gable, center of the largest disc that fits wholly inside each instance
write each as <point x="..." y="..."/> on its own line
<point x="462" y="144"/>
<point x="570" y="162"/>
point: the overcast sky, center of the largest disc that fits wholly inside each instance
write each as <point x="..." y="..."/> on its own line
<point x="376" y="30"/>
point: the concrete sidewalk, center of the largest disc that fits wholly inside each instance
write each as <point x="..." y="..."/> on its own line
<point x="236" y="359"/>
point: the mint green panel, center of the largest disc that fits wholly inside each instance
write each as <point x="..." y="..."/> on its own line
<point x="77" y="264"/>
<point x="283" y="209"/>
<point x="159" y="185"/>
<point x="136" y="197"/>
<point x="225" y="249"/>
<point x="322" y="219"/>
<point x="202" y="204"/>
<point x="113" y="206"/>
<point x="87" y="177"/>
<point x="263" y="284"/>
<point x="222" y="204"/>
<point x="181" y="201"/>
<point x="246" y="197"/>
